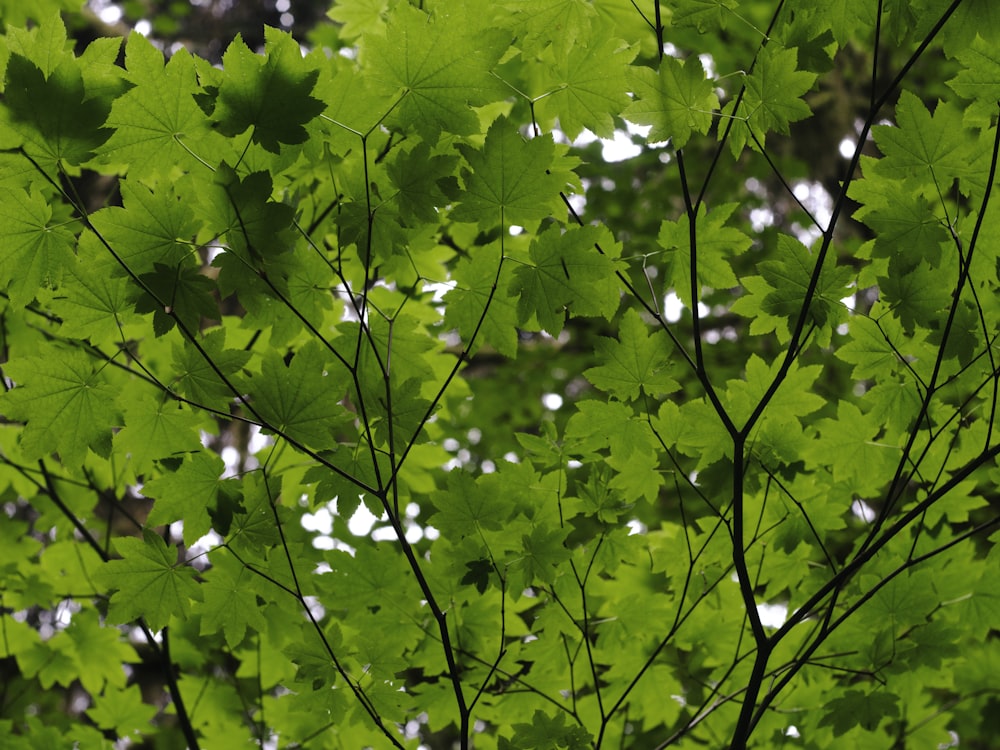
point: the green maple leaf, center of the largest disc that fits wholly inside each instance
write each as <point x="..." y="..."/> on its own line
<point x="467" y="506"/>
<point x="93" y="300"/>
<point x="241" y="208"/>
<point x="300" y="399"/>
<point x="675" y="101"/>
<point x="230" y="602"/>
<point x="925" y="145"/>
<point x="855" y="708"/>
<point x="197" y="379"/>
<point x="155" y="427"/>
<point x="151" y="227"/>
<point x="508" y="182"/>
<point x="847" y="444"/>
<point x="567" y="272"/>
<point x="979" y="81"/>
<point x="175" y="293"/>
<point x="717" y="243"/>
<point x="51" y="109"/>
<point x="359" y="17"/>
<point x="194" y="493"/>
<point x="99" y="652"/>
<point x="474" y="279"/>
<point x="34" y="250"/>
<point x="157" y="125"/>
<point x="588" y="87"/>
<point x="548" y="733"/>
<point x="844" y="18"/>
<point x="906" y="222"/>
<point x="776" y="297"/>
<point x="793" y="399"/>
<point x="443" y="63"/>
<point x="148" y="582"/>
<point x="123" y="711"/>
<point x="635" y="361"/>
<point x="417" y="176"/>
<point x="66" y="403"/>
<point x="704" y="15"/>
<point x="773" y="96"/>
<point x="564" y="24"/>
<point x="541" y="553"/>
<point x="272" y="94"/>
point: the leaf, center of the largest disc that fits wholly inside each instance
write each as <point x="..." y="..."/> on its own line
<point x="848" y="444"/>
<point x="33" y="249"/>
<point x="230" y="602"/>
<point x="155" y="428"/>
<point x="470" y="298"/>
<point x="934" y="147"/>
<point x="157" y="125"/>
<point x="150" y="227"/>
<point x="675" y="101"/>
<point x="716" y="243"/>
<point x="270" y="94"/>
<point x="442" y="63"/>
<point x="507" y="182"/>
<point x="773" y="92"/>
<point x="636" y="361"/>
<point x="51" y="112"/>
<point x="194" y="493"/>
<point x="855" y="708"/>
<point x="777" y="296"/>
<point x="122" y="711"/>
<point x="149" y="582"/>
<point x="587" y="87"/>
<point x="66" y="403"/>
<point x="200" y="371"/>
<point x="567" y="273"/>
<point x="468" y="507"/>
<point x="300" y="399"/>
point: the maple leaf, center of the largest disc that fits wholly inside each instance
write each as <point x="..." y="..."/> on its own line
<point x="567" y="271"/>
<point x="50" y="110"/>
<point x="704" y="15"/>
<point x="93" y="299"/>
<point x="474" y="280"/>
<point x="443" y="69"/>
<point x="150" y="227"/>
<point x="33" y="249"/>
<point x="272" y="94"/>
<point x="979" y="81"/>
<point x="66" y="403"/>
<point x="123" y="711"/>
<point x="466" y="507"/>
<point x="507" y="182"/>
<point x="772" y="101"/>
<point x="716" y="244"/>
<point x="157" y="125"/>
<point x="229" y="602"/>
<point x="775" y="298"/>
<point x="587" y="87"/>
<point x="635" y="361"/>
<point x="197" y="378"/>
<point x="195" y="493"/>
<point x="676" y="101"/>
<point x="155" y="427"/>
<point x="933" y="147"/>
<point x="855" y="708"/>
<point x="148" y="582"/>
<point x="847" y="443"/>
<point x="300" y="399"/>
<point x="359" y="17"/>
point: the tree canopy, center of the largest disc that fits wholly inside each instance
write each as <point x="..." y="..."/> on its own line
<point x="509" y="375"/>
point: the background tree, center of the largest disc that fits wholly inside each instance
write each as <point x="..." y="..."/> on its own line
<point x="358" y="393"/>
